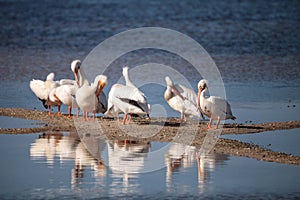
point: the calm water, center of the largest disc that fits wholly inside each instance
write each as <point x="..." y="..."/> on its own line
<point x="10" y="122"/>
<point x="57" y="165"/>
<point x="254" y="45"/>
<point x="287" y="141"/>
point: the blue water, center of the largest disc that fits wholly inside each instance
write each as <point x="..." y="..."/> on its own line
<point x="287" y="141"/>
<point x="58" y="166"/>
<point x="10" y="122"/>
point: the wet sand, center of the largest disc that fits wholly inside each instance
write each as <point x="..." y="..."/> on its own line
<point x="164" y="131"/>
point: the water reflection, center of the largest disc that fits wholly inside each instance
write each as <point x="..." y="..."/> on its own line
<point x="120" y="163"/>
<point x="180" y="156"/>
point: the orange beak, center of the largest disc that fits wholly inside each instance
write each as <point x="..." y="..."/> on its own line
<point x="76" y="77"/>
<point x="199" y="93"/>
<point x="100" y="88"/>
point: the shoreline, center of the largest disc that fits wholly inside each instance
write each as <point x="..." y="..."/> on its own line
<point x="165" y="131"/>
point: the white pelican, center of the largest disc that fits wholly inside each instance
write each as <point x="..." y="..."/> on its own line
<point x="126" y="99"/>
<point x="181" y="99"/>
<point x="87" y="96"/>
<point x="214" y="107"/>
<point x="128" y="82"/>
<point x="65" y="93"/>
<point x="126" y="76"/>
<point x="42" y="89"/>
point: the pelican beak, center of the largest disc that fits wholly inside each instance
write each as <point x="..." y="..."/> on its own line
<point x="200" y="89"/>
<point x="174" y="89"/>
<point x="199" y="93"/>
<point x="100" y="87"/>
<point x="76" y="76"/>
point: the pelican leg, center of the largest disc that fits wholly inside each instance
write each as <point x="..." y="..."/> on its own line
<point x="58" y="111"/>
<point x="85" y="115"/>
<point x="129" y="119"/>
<point x="69" y="111"/>
<point x="78" y="111"/>
<point x="183" y="119"/>
<point x="118" y="118"/>
<point x="94" y="113"/>
<point x="209" y="124"/>
<point x="49" y="110"/>
<point x="218" y="122"/>
<point x="124" y="118"/>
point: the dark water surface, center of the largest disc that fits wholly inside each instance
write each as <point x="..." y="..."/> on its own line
<point x="255" y="45"/>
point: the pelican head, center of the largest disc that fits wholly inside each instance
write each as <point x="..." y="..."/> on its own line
<point x="101" y="81"/>
<point x="203" y="84"/>
<point x="75" y="66"/>
<point x="50" y="77"/>
<point x="169" y="81"/>
<point x="125" y="71"/>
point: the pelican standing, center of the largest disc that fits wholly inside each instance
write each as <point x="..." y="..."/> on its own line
<point x="42" y="90"/>
<point x="127" y="99"/>
<point x="87" y="96"/>
<point x="214" y="107"/>
<point x="181" y="99"/>
<point x="65" y="93"/>
<point x="129" y="83"/>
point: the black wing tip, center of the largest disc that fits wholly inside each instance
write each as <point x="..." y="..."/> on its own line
<point x="44" y="102"/>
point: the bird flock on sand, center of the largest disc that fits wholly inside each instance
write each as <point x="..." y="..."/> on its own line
<point x="126" y="99"/>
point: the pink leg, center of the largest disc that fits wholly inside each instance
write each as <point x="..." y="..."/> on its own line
<point x="183" y="119"/>
<point x="85" y="115"/>
<point x="209" y="124"/>
<point x="124" y="118"/>
<point x="130" y="117"/>
<point x="94" y="116"/>
<point x="78" y="111"/>
<point x="69" y="111"/>
<point x="58" y="108"/>
<point x="49" y="110"/>
<point x="218" y="122"/>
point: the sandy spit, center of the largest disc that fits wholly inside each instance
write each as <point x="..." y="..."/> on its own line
<point x="163" y="130"/>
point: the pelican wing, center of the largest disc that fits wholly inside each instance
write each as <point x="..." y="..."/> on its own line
<point x="133" y="103"/>
<point x="222" y="106"/>
<point x="39" y="89"/>
<point x="67" y="82"/>
<point x="187" y="93"/>
<point x="190" y="100"/>
<point x="127" y="99"/>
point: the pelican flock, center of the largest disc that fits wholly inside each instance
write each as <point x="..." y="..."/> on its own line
<point x="127" y="99"/>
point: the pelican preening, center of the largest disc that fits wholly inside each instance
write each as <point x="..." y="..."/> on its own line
<point x="42" y="89"/>
<point x="214" y="107"/>
<point x="64" y="94"/>
<point x="87" y="96"/>
<point x="181" y="99"/>
<point x="126" y="99"/>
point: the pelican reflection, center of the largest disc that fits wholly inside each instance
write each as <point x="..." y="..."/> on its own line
<point x="126" y="160"/>
<point x="68" y="147"/>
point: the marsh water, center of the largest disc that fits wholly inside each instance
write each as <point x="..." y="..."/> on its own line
<point x="255" y="46"/>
